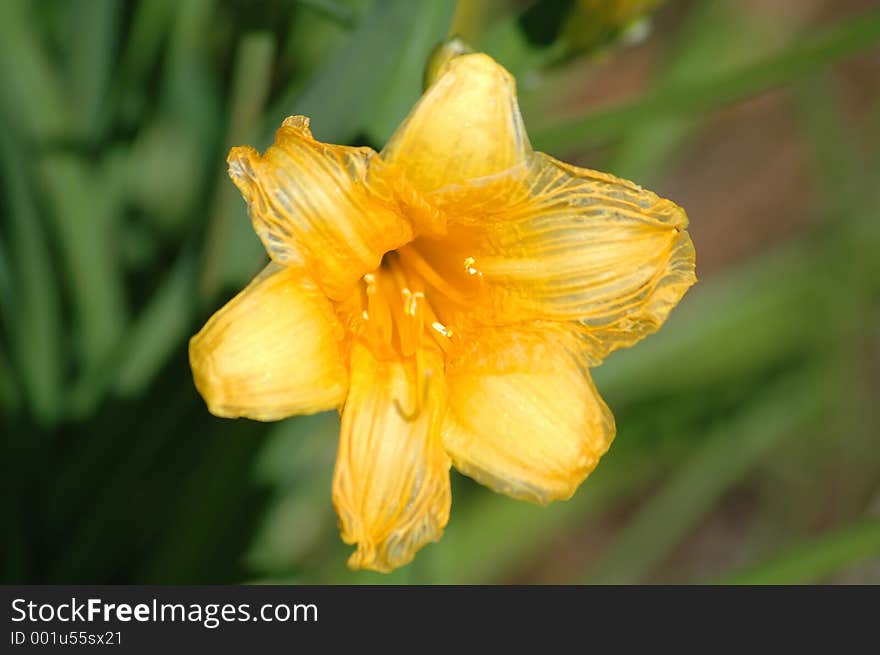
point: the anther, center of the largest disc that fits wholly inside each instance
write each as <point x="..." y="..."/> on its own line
<point x="411" y="301"/>
<point x="470" y="268"/>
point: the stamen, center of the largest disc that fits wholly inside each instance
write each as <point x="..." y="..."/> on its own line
<point x="411" y="258"/>
<point x="440" y="333"/>
<point x="400" y="321"/>
<point x="412" y="301"/>
<point x="378" y="313"/>
<point x="469" y="267"/>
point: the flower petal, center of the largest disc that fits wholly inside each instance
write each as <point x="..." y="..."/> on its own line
<point x="270" y="352"/>
<point x="321" y="207"/>
<point x="391" y="483"/>
<point x="466" y="126"/>
<point x="578" y="245"/>
<point x="523" y="417"/>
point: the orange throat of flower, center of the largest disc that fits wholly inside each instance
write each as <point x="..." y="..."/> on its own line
<point x="412" y="301"/>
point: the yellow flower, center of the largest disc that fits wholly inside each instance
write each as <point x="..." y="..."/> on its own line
<point x="448" y="295"/>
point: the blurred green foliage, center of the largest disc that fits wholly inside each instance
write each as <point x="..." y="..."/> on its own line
<point x="120" y="234"/>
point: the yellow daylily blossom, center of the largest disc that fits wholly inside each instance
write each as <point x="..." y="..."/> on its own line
<point x="448" y="295"/>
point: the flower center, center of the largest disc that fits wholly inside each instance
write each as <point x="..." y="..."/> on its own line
<point x="412" y="299"/>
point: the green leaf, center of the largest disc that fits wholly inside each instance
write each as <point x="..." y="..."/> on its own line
<point x="233" y="253"/>
<point x="806" y="55"/>
<point x="142" y="48"/>
<point x="32" y="96"/>
<point x="335" y="11"/>
<point x="158" y="330"/>
<point x="190" y="97"/>
<point x="506" y="42"/>
<point x="94" y="28"/>
<point x="491" y="536"/>
<point x="313" y="36"/>
<point x="293" y="525"/>
<point x="713" y="38"/>
<point x="722" y="460"/>
<point x="83" y="214"/>
<point x="763" y="313"/>
<point x="10" y="398"/>
<point x="818" y="558"/>
<point x="297" y="449"/>
<point x="404" y="86"/>
<point x="34" y="311"/>
<point x="158" y="166"/>
<point x="348" y="92"/>
<point x="840" y="173"/>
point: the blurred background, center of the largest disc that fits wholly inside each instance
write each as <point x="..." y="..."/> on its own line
<point x="748" y="447"/>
